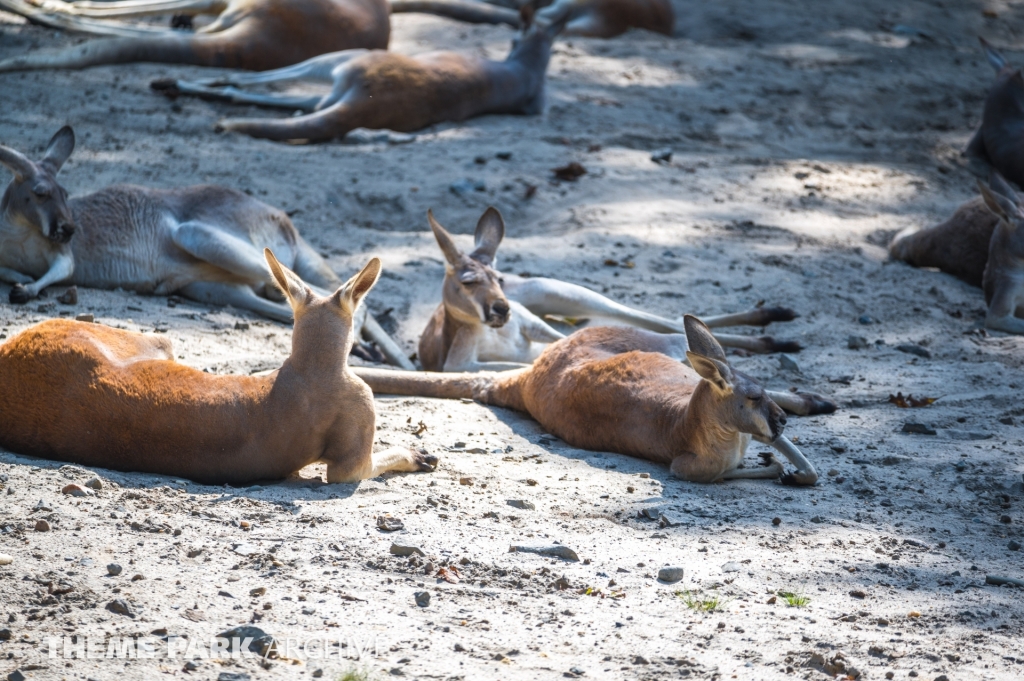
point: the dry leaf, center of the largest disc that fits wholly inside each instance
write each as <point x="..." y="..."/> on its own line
<point x="449" y="574"/>
<point x="910" y="401"/>
<point x="571" y="172"/>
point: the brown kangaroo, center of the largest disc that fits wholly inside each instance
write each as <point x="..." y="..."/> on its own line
<point x="380" y="89"/>
<point x="491" y="321"/>
<point x="625" y="390"/>
<point x="999" y="142"/>
<point x="606" y="18"/>
<point x="1003" y="281"/>
<point x="98" y="396"/>
<point x="203" y="242"/>
<point x="256" y="35"/>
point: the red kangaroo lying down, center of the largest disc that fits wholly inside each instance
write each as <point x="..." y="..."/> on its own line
<point x="247" y="34"/>
<point x="625" y="390"/>
<point x="98" y="396"/>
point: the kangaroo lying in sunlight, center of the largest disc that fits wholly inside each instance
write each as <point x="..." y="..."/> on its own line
<point x="98" y="396"/>
<point x="488" y="320"/>
<point x="625" y="390"/>
<point x="247" y="34"/>
<point x="983" y="243"/>
<point x="202" y="242"/>
<point x="605" y="18"/>
<point x="379" y="89"/>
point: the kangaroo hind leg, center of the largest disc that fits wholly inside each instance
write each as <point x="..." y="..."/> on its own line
<point x="236" y="295"/>
<point x="145" y="8"/>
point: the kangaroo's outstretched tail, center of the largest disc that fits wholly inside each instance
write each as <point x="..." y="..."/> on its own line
<point x="171" y="49"/>
<point x="502" y="389"/>
<point x="460" y="10"/>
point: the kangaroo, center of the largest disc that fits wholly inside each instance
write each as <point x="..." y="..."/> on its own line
<point x="606" y="18"/>
<point x="1003" y="281"/>
<point x="202" y="242"/>
<point x="625" y="390"/>
<point x="256" y="35"/>
<point x="488" y="320"/>
<point x="98" y="396"/>
<point x="999" y="143"/>
<point x="379" y="89"/>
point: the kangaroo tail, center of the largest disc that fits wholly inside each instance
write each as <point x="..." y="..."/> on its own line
<point x="168" y="49"/>
<point x="502" y="389"/>
<point x="460" y="10"/>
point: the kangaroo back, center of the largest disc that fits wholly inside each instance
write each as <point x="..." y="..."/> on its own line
<point x="958" y="246"/>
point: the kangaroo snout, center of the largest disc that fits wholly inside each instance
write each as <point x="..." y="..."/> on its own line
<point x="776" y="421"/>
<point x="497" y="314"/>
<point x="62" y="231"/>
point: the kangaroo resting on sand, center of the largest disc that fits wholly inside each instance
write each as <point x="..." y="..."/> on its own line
<point x="202" y="242"/>
<point x="999" y="142"/>
<point x="625" y="390"/>
<point x="247" y="34"/>
<point x="605" y="18"/>
<point x="379" y="89"/>
<point x="1003" y="281"/>
<point x="488" y="320"/>
<point x="98" y="396"/>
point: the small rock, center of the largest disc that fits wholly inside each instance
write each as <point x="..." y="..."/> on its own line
<point x="865" y="319"/>
<point x="113" y="569"/>
<point x="41" y="506"/>
<point x="233" y="676"/>
<point x="857" y="593"/>
<point x="94" y="483"/>
<point x="16" y="675"/>
<point x="389" y="524"/>
<point x="788" y="363"/>
<point x="913" y="349"/>
<point x="1005" y="519"/>
<point x="630" y="489"/>
<point x="241" y="326"/>
<point x="468" y="482"/>
<point x="522" y="503"/>
<point x="74" y="490"/>
<point x="399" y="550"/>
<point x="119" y="606"/>
<point x="640" y="659"/>
<point x="662" y="156"/>
<point x="531" y="482"/>
<point x="42" y="526"/>
<point x="732" y="567"/>
<point x="941" y="677"/>
<point x="262" y="643"/>
<point x="465" y="186"/>
<point x="5" y="559"/>
<point x="86" y="317"/>
<point x="503" y="155"/>
<point x="258" y="591"/>
<point x="557" y="551"/>
<point x="856" y="342"/>
<point x="1013" y="545"/>
<point x="459" y="648"/>
<point x="422" y="598"/>
<point x="918" y="429"/>
<point x="832" y="472"/>
<point x="192" y="665"/>
<point x="571" y="172"/>
<point x="317" y="673"/>
<point x="817" y="520"/>
<point x="776" y="521"/>
<point x="5" y="634"/>
<point x="194" y="553"/>
<point x="670" y="574"/>
<point x="69" y="297"/>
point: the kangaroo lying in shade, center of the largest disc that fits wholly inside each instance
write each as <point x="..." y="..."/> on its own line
<point x="379" y="89"/>
<point x="625" y="390"/>
<point x="489" y="320"/>
<point x="999" y="142"/>
<point x="605" y="18"/>
<point x="983" y="244"/>
<point x="98" y="396"/>
<point x="247" y="34"/>
<point x="202" y="242"/>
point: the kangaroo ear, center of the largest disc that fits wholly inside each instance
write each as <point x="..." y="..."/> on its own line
<point x="355" y="289"/>
<point x="451" y="252"/>
<point x="717" y="373"/>
<point x="16" y="162"/>
<point x="700" y="340"/>
<point x="997" y="60"/>
<point x="291" y="285"/>
<point x="489" y="233"/>
<point x="59" y="149"/>
<point x="1002" y="206"/>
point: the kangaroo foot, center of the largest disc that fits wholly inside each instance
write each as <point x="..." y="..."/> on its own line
<point x="19" y="295"/>
<point x="799" y="479"/>
<point x="425" y="461"/>
<point x="769" y="462"/>
<point x="818" y="404"/>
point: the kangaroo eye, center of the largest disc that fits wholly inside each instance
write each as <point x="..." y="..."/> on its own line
<point x="41" y="192"/>
<point x="755" y="398"/>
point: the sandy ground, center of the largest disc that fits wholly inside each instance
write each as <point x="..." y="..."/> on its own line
<point x="804" y="134"/>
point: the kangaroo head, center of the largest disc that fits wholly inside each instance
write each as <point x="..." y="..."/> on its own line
<point x="323" y="321"/>
<point x="1002" y="200"/>
<point x="740" y="403"/>
<point x="540" y="22"/>
<point x="472" y="288"/>
<point x="34" y="199"/>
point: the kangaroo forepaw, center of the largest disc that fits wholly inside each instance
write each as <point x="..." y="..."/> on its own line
<point x="778" y="314"/>
<point x="19" y="295"/>
<point x="772" y="345"/>
<point x="368" y="352"/>
<point x="799" y="479"/>
<point x="818" y="404"/>
<point x="424" y="461"/>
<point x="767" y="458"/>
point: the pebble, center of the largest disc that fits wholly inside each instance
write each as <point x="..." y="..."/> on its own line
<point x="523" y="504"/>
<point x="42" y="526"/>
<point x="422" y="598"/>
<point x="5" y="559"/>
<point x="69" y="297"/>
<point x="468" y="482"/>
<point x="917" y="428"/>
<point x="857" y="593"/>
<point x="233" y="676"/>
<point x="832" y="472"/>
<point x="556" y="551"/>
<point x="16" y="675"/>
<point x="113" y="569"/>
<point x="662" y="156"/>
<point x="856" y="342"/>
<point x="1005" y="519"/>
<point x="389" y="524"/>
<point x="467" y="185"/>
<point x="732" y="566"/>
<point x="670" y="574"/>
<point x="94" y="483"/>
<point x="119" y="606"/>
<point x="85" y="317"/>
<point x="776" y="521"/>
<point x="865" y="319"/>
<point x="1013" y="546"/>
<point x="258" y="591"/>
<point x="913" y="349"/>
<point x="317" y="673"/>
<point x="5" y="634"/>
<point x="399" y="550"/>
<point x="261" y="643"/>
<point x="788" y="363"/>
<point x="74" y="490"/>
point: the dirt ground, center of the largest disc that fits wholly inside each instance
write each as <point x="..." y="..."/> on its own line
<point x="803" y="135"/>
